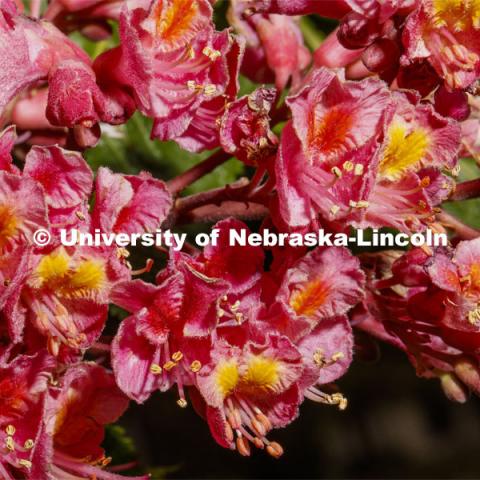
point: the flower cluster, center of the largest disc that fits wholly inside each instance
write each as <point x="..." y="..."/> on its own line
<point x="365" y="131"/>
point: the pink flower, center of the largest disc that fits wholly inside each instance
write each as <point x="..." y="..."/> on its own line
<point x="181" y="71"/>
<point x="332" y="120"/>
<point x="45" y="54"/>
<point x="445" y="32"/>
<point x="427" y="306"/>
<point x="245" y="128"/>
<point x="250" y="390"/>
<point x="23" y="387"/>
<point x="274" y="40"/>
<point x="77" y="410"/>
<point x="371" y="160"/>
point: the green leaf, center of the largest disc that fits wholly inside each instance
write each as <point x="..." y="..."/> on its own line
<point x="129" y="149"/>
<point x="468" y="211"/>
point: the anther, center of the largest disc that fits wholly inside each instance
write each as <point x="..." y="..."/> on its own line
<point x="337" y="356"/>
<point x="169" y="365"/>
<point x="211" y="53"/>
<point x="258" y="428"/>
<point x="358" y="169"/>
<point x="275" y="450"/>
<point x="243" y="447"/>
<point x="258" y="443"/>
<point x="29" y="444"/>
<point x="229" y="433"/>
<point x="182" y="403"/>
<point x="177" y="356"/>
<point x="10" y="444"/>
<point x="348" y="166"/>
<point x="25" y="463"/>
<point x="10" y="430"/>
<point x="334" y="209"/>
<point x="209" y="89"/>
<point x="336" y="171"/>
<point x="195" y="366"/>
<point x="156" y="369"/>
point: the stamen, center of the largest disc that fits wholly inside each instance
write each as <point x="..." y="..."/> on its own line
<point x="148" y="266"/>
<point x="29" y="444"/>
<point x="182" y="403"/>
<point x="336" y="171"/>
<point x="169" y="365"/>
<point x="10" y="430"/>
<point x="275" y="450"/>
<point x="156" y="369"/>
<point x="195" y="366"/>
<point x="243" y="446"/>
<point x="358" y="169"/>
<point x="25" y="463"/>
<point x="334" y="209"/>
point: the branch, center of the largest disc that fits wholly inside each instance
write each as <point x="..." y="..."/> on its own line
<point x="182" y="181"/>
<point x="461" y="229"/>
<point x="214" y="213"/>
<point x="466" y="190"/>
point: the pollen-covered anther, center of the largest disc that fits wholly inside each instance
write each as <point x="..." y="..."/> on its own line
<point x="177" y="356"/>
<point x="348" y="166"/>
<point x="474" y="316"/>
<point x="209" y="89"/>
<point x="243" y="446"/>
<point x="275" y="450"/>
<point x="334" y="209"/>
<point x="340" y="400"/>
<point x="211" y="53"/>
<point x="336" y="171"/>
<point x="156" y="369"/>
<point x="122" y="253"/>
<point x="29" y="444"/>
<point x="182" y="403"/>
<point x="25" y="463"/>
<point x="10" y="430"/>
<point x="337" y="356"/>
<point x="319" y="358"/>
<point x="196" y="366"/>
<point x="169" y="365"/>
<point x="9" y="444"/>
<point x="80" y="216"/>
<point x="359" y="204"/>
<point x="358" y="169"/>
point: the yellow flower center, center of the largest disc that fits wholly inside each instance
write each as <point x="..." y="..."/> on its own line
<point x="262" y="374"/>
<point x="405" y="151"/>
<point x="70" y="279"/>
<point x="227" y="377"/>
<point x="459" y="15"/>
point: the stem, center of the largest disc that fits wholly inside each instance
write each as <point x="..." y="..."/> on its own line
<point x="466" y="190"/>
<point x="35" y="8"/>
<point x="185" y="179"/>
<point x="213" y="213"/>
<point x="461" y="229"/>
<point x="236" y="191"/>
